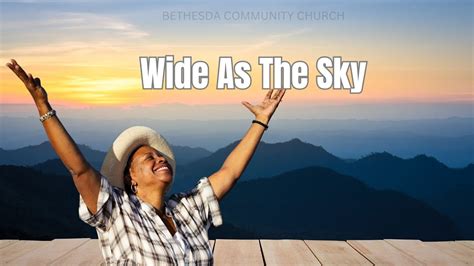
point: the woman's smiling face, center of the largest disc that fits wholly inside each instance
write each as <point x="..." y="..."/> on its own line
<point x="149" y="168"/>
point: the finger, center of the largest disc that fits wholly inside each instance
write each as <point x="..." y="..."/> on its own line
<point x="269" y="94"/>
<point x="275" y="97"/>
<point x="11" y="65"/>
<point x="280" y="96"/>
<point x="38" y="82"/>
<point x="248" y="105"/>
<point x="31" y="80"/>
<point x="19" y="71"/>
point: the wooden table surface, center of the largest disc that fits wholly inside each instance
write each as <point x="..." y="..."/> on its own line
<point x="83" y="251"/>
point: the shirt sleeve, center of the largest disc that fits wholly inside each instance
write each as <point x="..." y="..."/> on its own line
<point x="203" y="199"/>
<point x="105" y="204"/>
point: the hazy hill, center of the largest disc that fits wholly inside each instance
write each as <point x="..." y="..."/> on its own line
<point x="446" y="189"/>
<point x="45" y="207"/>
<point x="186" y="154"/>
<point x="196" y="162"/>
<point x="380" y="170"/>
<point x="421" y="177"/>
<point x="38" y="154"/>
<point x="269" y="159"/>
<point x="35" y="154"/>
<point x="38" y="206"/>
<point x="307" y="203"/>
<point x="318" y="203"/>
<point x="450" y="140"/>
<point x="56" y="167"/>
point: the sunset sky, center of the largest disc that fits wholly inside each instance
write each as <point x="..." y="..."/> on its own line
<point x="87" y="52"/>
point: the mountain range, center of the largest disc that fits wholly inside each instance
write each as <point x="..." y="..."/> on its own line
<point x="422" y="178"/>
<point x="318" y="203"/>
<point x="309" y="203"/>
<point x="450" y="140"/>
<point x="36" y="154"/>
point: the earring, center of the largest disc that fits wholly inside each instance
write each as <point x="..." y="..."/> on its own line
<point x="134" y="188"/>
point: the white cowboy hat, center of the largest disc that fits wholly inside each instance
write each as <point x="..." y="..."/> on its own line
<point x="116" y="159"/>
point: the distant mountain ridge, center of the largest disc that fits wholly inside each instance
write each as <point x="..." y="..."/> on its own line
<point x="446" y="189"/>
<point x="309" y="203"/>
<point x="450" y="140"/>
<point x="34" y="154"/>
<point x="37" y="154"/>
<point x="318" y="203"/>
<point x="383" y="170"/>
<point x="274" y="158"/>
<point x="422" y="177"/>
<point x="269" y="159"/>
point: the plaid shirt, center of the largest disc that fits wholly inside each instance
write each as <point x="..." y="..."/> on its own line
<point x="130" y="231"/>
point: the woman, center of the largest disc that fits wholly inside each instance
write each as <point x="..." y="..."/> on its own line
<point x="126" y="202"/>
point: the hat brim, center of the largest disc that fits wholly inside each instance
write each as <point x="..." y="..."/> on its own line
<point x="116" y="159"/>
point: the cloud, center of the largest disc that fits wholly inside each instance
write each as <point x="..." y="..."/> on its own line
<point x="83" y="24"/>
<point x="68" y="33"/>
<point x="264" y="42"/>
<point x="272" y="39"/>
<point x="106" y="85"/>
<point x="95" y="22"/>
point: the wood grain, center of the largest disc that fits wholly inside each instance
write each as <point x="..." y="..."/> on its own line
<point x="259" y="252"/>
<point x="287" y="252"/>
<point x="336" y="253"/>
<point x="424" y="253"/>
<point x="457" y="250"/>
<point x="7" y="242"/>
<point x="381" y="252"/>
<point x="469" y="244"/>
<point x="237" y="252"/>
<point x="19" y="249"/>
<point x="49" y="252"/>
<point x="86" y="254"/>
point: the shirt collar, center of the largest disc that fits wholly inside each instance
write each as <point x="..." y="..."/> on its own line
<point x="150" y="208"/>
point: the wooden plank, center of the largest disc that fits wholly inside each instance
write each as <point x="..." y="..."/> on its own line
<point x="7" y="242"/>
<point x="454" y="249"/>
<point x="49" y="252"/>
<point x="275" y="252"/>
<point x="287" y="252"/>
<point x="86" y="254"/>
<point x="336" y="253"/>
<point x="424" y="253"/>
<point x="19" y="249"/>
<point x="237" y="252"/>
<point x="381" y="252"/>
<point x="467" y="243"/>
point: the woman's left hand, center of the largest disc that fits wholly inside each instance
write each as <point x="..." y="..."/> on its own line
<point x="265" y="110"/>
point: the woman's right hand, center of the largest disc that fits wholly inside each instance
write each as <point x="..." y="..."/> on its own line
<point x="32" y="84"/>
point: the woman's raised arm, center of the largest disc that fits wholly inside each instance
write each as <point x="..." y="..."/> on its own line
<point x="86" y="178"/>
<point x="223" y="180"/>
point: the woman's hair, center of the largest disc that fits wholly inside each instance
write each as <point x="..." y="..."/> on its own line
<point x="127" y="179"/>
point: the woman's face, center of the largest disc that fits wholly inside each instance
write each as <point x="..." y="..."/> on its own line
<point x="149" y="168"/>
